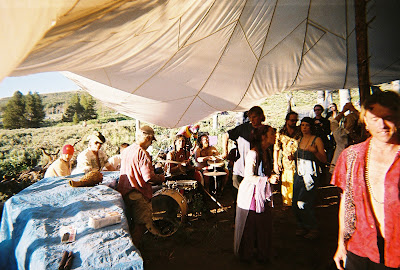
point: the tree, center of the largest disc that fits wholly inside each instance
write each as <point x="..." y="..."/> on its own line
<point x="75" y="118"/>
<point x="88" y="104"/>
<point x="73" y="107"/>
<point x="34" y="110"/>
<point x="14" y="112"/>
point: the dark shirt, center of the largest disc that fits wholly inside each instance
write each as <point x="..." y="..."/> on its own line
<point x="323" y="130"/>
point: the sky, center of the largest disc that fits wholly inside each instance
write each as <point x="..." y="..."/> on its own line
<point x="48" y="82"/>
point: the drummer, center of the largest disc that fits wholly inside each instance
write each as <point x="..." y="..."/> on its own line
<point x="184" y="170"/>
<point x="208" y="158"/>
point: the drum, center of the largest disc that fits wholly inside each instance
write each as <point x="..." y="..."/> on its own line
<point x="188" y="188"/>
<point x="186" y="185"/>
<point x="169" y="211"/>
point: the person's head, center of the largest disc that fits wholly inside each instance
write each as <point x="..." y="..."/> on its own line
<point x="67" y="152"/>
<point x="256" y="116"/>
<point x="291" y="119"/>
<point x="204" y="141"/>
<point x="318" y="109"/>
<point x="145" y="136"/>
<point x="380" y="113"/>
<point x="180" y="142"/>
<point x="122" y="147"/>
<point x="262" y="137"/>
<point x="307" y="126"/>
<point x="333" y="107"/>
<point x="96" y="140"/>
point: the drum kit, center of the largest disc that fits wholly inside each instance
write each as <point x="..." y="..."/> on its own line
<point x="174" y="201"/>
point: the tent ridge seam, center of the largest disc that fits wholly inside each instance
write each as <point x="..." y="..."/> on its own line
<point x="247" y="40"/>
<point x="304" y="43"/>
<point x="315" y="43"/>
<point x="258" y="62"/>
<point x="291" y="32"/>
<point x="320" y="27"/>
<point x="212" y="72"/>
<point x="202" y="19"/>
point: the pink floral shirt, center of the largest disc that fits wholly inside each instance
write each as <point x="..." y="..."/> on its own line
<point x="364" y="240"/>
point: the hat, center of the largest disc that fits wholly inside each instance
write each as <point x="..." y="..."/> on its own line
<point x="97" y="137"/>
<point x="146" y="130"/>
<point x="68" y="149"/>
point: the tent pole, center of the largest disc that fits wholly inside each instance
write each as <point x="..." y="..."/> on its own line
<point x="362" y="49"/>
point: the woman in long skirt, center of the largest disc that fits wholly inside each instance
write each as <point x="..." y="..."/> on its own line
<point x="253" y="224"/>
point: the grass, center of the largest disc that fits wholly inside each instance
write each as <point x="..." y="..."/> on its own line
<point x="21" y="149"/>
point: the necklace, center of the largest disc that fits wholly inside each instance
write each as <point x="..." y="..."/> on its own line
<point x="367" y="176"/>
<point x="305" y="147"/>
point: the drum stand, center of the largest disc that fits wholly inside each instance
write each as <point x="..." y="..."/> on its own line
<point x="215" y="200"/>
<point x="214" y="174"/>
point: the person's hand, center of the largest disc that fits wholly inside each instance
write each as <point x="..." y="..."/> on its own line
<point x="274" y="179"/>
<point x="184" y="163"/>
<point x="340" y="257"/>
<point x="301" y="204"/>
<point x="224" y="155"/>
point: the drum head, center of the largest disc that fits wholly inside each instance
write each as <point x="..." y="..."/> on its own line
<point x="186" y="184"/>
<point x="169" y="211"/>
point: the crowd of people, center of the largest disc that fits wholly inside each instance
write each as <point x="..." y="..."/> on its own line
<point x="364" y="162"/>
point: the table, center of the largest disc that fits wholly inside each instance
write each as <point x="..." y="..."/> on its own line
<point x="30" y="227"/>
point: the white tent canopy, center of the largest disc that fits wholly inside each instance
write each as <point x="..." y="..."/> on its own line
<point x="176" y="62"/>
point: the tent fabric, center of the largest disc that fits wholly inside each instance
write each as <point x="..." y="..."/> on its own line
<point x="173" y="63"/>
<point x="32" y="220"/>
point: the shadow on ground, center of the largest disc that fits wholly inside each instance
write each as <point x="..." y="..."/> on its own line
<point x="207" y="242"/>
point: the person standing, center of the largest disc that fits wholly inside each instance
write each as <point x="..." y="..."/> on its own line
<point x="253" y="224"/>
<point x="62" y="166"/>
<point x="309" y="152"/>
<point x="93" y="158"/>
<point x="284" y="149"/>
<point x="368" y="173"/>
<point x="136" y="176"/>
<point x="241" y="134"/>
<point x="344" y="130"/>
<point x="333" y="111"/>
<point x="323" y="130"/>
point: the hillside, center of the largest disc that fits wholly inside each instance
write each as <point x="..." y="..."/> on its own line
<point x="21" y="149"/>
<point x="55" y="105"/>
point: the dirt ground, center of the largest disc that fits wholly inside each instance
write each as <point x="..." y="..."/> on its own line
<point x="207" y="242"/>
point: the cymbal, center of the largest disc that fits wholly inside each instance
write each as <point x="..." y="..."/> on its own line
<point x="215" y="164"/>
<point x="214" y="173"/>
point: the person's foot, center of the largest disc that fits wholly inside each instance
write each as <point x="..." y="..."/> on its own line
<point x="300" y="231"/>
<point x="312" y="234"/>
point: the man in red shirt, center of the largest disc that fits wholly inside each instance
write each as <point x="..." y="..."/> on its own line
<point x="136" y="176"/>
<point x="369" y="175"/>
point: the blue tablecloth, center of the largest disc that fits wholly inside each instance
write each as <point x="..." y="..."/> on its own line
<point x="30" y="227"/>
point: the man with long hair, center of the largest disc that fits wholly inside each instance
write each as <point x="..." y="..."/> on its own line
<point x="369" y="174"/>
